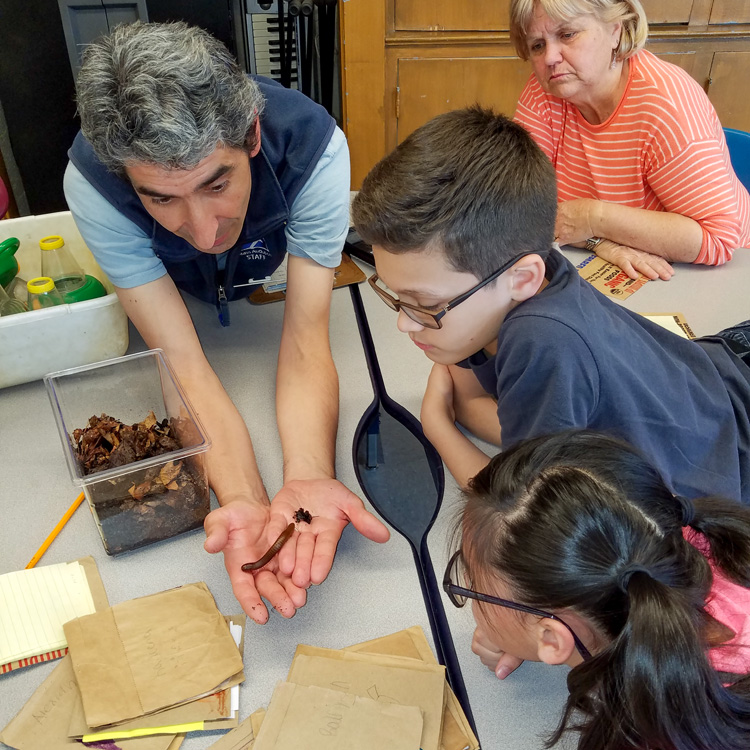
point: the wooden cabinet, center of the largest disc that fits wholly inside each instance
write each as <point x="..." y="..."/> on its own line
<point x="428" y="87"/>
<point x="730" y="11"/>
<point x="405" y="61"/>
<point x="726" y="88"/>
<point x="449" y="15"/>
<point x="493" y="15"/>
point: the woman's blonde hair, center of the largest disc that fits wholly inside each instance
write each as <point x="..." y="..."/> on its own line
<point x="629" y="13"/>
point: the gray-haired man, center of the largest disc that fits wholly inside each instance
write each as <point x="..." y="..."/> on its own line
<point x="189" y="175"/>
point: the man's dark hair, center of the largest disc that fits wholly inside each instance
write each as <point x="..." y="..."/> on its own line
<point x="470" y="182"/>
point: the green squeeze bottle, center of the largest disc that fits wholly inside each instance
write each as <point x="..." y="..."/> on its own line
<point x="8" y="264"/>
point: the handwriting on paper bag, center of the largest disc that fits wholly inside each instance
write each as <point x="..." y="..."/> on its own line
<point x="372" y="692"/>
<point x="333" y="719"/>
<point x="50" y="705"/>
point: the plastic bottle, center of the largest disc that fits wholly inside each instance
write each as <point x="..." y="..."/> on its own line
<point x="60" y="266"/>
<point x="70" y="280"/>
<point x="17" y="288"/>
<point x="10" y="305"/>
<point x="42" y="293"/>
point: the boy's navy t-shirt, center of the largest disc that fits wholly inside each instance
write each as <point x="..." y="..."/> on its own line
<point x="571" y="358"/>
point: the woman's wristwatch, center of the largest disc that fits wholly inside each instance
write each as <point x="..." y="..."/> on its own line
<point x="592" y="243"/>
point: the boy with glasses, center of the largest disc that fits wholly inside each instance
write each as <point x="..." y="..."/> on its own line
<point x="461" y="218"/>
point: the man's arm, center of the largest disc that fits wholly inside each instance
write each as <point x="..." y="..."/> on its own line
<point x="239" y="527"/>
<point x="307" y="415"/>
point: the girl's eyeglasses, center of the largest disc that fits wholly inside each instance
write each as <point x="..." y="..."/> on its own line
<point x="459" y="595"/>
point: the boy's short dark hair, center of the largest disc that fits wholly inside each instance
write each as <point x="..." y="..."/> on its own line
<point x="471" y="182"/>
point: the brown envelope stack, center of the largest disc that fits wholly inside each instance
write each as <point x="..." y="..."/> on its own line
<point x="412" y="644"/>
<point x="389" y="692"/>
<point x="152" y="653"/>
<point x="161" y="660"/>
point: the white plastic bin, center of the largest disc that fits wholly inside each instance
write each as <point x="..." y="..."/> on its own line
<point x="41" y="341"/>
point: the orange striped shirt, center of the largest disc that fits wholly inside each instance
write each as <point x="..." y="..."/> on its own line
<point x="663" y="149"/>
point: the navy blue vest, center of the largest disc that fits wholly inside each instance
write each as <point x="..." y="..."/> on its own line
<point x="294" y="133"/>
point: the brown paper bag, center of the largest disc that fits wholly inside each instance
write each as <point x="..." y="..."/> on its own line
<point x="256" y="719"/>
<point x="390" y="679"/>
<point x="243" y="737"/>
<point x="215" y="709"/>
<point x="314" y="718"/>
<point x="150" y="653"/>
<point x="42" y="724"/>
<point x="457" y="733"/>
<point x="207" y="709"/>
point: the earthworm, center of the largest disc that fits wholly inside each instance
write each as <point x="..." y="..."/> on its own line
<point x="275" y="547"/>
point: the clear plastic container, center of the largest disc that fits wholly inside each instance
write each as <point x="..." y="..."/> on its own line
<point x="70" y="279"/>
<point x="147" y="500"/>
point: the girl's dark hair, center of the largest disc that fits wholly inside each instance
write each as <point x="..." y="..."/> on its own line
<point x="582" y="521"/>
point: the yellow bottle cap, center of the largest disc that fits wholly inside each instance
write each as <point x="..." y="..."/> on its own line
<point x="40" y="285"/>
<point x="52" y="242"/>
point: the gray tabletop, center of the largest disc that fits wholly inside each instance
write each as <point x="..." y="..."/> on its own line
<point x="372" y="590"/>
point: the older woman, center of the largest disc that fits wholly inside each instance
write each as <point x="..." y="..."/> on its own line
<point x="644" y="175"/>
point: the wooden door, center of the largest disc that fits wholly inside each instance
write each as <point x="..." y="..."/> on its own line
<point x="428" y="87"/>
<point x="730" y="11"/>
<point x="451" y="15"/>
<point x="696" y="63"/>
<point x="667" y="11"/>
<point x="726" y="88"/>
<point x="494" y="15"/>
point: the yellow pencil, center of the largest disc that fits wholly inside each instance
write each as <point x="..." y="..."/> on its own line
<point x="51" y="538"/>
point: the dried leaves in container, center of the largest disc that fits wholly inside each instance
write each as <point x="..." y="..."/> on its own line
<point x="107" y="443"/>
<point x="143" y="505"/>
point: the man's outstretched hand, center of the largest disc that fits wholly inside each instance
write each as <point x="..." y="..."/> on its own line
<point x="241" y="529"/>
<point x="245" y="530"/>
<point x="308" y="557"/>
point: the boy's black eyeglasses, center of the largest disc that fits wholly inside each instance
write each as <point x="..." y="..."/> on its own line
<point x="459" y="595"/>
<point x="425" y="317"/>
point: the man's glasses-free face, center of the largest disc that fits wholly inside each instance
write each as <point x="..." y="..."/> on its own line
<point x="459" y="595"/>
<point x="428" y="318"/>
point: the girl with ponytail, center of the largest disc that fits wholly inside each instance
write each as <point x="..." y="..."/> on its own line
<point x="574" y="551"/>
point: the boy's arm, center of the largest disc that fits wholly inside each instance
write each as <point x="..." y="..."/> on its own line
<point x="476" y="410"/>
<point x="438" y="415"/>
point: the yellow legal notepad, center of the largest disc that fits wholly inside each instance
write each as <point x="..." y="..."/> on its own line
<point x="35" y="603"/>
